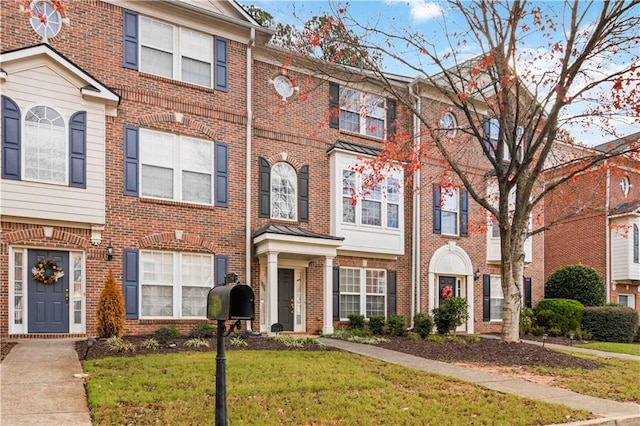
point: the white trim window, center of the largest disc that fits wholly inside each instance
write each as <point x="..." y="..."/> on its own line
<point x="362" y="292"/>
<point x="175" y="167"/>
<point x="176" y="53"/>
<point x="380" y="205"/>
<point x="628" y="300"/>
<point x="450" y="211"/>
<point x="493" y="136"/>
<point x="174" y="285"/>
<point x="283" y="192"/>
<point x="45" y="146"/>
<point x="496" y="298"/>
<point x="362" y="113"/>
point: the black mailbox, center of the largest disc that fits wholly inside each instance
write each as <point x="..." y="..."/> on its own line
<point x="231" y="302"/>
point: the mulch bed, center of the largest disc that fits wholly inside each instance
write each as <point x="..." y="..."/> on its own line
<point x="483" y="352"/>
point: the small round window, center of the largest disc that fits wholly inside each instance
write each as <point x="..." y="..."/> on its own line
<point x="449" y="124"/>
<point x="45" y="19"/>
<point x="624" y="184"/>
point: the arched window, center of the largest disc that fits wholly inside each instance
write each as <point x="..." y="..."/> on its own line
<point x="636" y="244"/>
<point x="45" y="147"/>
<point x="283" y="192"/>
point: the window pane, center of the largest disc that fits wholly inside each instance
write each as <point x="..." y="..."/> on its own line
<point x="496" y="299"/>
<point x="350" y="121"/>
<point x="393" y="190"/>
<point x="157" y="301"/>
<point x="348" y="183"/>
<point x="156" y="34"/>
<point x="375" y="127"/>
<point x="196" y="187"/>
<point x="371" y="213"/>
<point x="156" y="62"/>
<point x="348" y="210"/>
<point x="157" y="149"/>
<point x="375" y="306"/>
<point x="449" y="223"/>
<point x="45" y="145"/>
<point x="157" y="182"/>
<point x="283" y="192"/>
<point x="393" y="216"/>
<point x="194" y="301"/>
<point x="376" y="281"/>
<point x="349" y="304"/>
<point x="157" y="267"/>
<point x="375" y="107"/>
<point x="197" y="72"/>
<point x="195" y="45"/>
<point x="349" y="280"/>
<point x="350" y="100"/>
<point x="197" y="270"/>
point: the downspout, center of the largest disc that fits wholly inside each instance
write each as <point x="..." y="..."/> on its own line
<point x="415" y="220"/>
<point x="607" y="236"/>
<point x="248" y="192"/>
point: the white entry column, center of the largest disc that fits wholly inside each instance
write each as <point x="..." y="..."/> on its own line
<point x="272" y="290"/>
<point x="327" y="326"/>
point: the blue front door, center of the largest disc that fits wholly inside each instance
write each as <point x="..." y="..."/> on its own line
<point x="48" y="303"/>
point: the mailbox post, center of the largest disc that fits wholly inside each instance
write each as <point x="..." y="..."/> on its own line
<point x="227" y="302"/>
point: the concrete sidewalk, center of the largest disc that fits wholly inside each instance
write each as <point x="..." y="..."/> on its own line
<point x="38" y="387"/>
<point x="611" y="412"/>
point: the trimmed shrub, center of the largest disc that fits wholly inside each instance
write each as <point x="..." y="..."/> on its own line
<point x="422" y="324"/>
<point x="397" y="325"/>
<point x="527" y="320"/>
<point x="450" y="314"/>
<point x="610" y="323"/>
<point x="110" y="312"/>
<point x="376" y="325"/>
<point x="559" y="316"/>
<point x="202" y="330"/>
<point x="356" y="322"/>
<point x="166" y="335"/>
<point x="577" y="282"/>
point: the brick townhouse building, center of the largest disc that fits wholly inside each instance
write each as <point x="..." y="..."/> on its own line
<point x="166" y="143"/>
<point x="604" y="234"/>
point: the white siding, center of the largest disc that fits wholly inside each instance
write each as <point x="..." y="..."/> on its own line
<point x="493" y="249"/>
<point x="622" y="265"/>
<point x="34" y="82"/>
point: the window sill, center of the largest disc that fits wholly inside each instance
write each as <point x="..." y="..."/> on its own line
<point x="177" y="203"/>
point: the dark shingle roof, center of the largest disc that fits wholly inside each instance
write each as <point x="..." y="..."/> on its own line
<point x="271" y="228"/>
<point x="626" y="207"/>
<point x="358" y="149"/>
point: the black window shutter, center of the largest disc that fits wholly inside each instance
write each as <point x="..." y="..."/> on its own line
<point x="221" y="265"/>
<point x="221" y="77"/>
<point x="391" y="292"/>
<point x="222" y="175"/>
<point x="464" y="212"/>
<point x="78" y="150"/>
<point x="486" y="297"/>
<point x="131" y="160"/>
<point x="130" y="40"/>
<point x="437" y="214"/>
<point x="336" y="293"/>
<point x="527" y="292"/>
<point x="486" y="129"/>
<point x="130" y="284"/>
<point x="334" y="105"/>
<point x="636" y="244"/>
<point x="391" y="119"/>
<point x="264" y="199"/>
<point x="10" y="139"/>
<point x="303" y="194"/>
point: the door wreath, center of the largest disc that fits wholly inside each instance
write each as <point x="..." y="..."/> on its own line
<point x="47" y="271"/>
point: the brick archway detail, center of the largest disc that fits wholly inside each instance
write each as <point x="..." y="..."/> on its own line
<point x="37" y="235"/>
<point x="176" y="117"/>
<point x="286" y="158"/>
<point x="164" y="237"/>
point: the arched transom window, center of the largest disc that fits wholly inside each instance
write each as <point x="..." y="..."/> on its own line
<point x="283" y="192"/>
<point x="45" y="150"/>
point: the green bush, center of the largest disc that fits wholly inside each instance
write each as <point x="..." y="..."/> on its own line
<point x="413" y="336"/>
<point x="202" y="330"/>
<point x="562" y="315"/>
<point x="376" y="325"/>
<point x="397" y="325"/>
<point x="450" y="314"/>
<point x="577" y="282"/>
<point x="637" y="338"/>
<point x="422" y="324"/>
<point x="166" y="335"/>
<point x="527" y="321"/>
<point x="610" y="323"/>
<point x="356" y="322"/>
<point x="110" y="312"/>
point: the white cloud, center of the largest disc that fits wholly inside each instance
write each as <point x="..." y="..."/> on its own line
<point x="421" y="10"/>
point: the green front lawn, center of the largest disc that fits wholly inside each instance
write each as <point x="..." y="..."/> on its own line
<point x="282" y="387"/>
<point x="622" y="348"/>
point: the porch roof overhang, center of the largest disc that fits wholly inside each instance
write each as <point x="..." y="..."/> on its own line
<point x="629" y="208"/>
<point x="296" y="242"/>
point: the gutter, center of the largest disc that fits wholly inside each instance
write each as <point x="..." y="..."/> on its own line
<point x="415" y="220"/>
<point x="607" y="236"/>
<point x="248" y="192"/>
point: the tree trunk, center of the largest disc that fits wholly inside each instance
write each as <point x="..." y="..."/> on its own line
<point x="512" y="275"/>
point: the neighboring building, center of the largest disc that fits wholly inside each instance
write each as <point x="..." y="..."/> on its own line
<point x="604" y="233"/>
<point x="176" y="149"/>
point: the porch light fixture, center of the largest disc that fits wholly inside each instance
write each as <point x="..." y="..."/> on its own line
<point x="110" y="251"/>
<point x="476" y="274"/>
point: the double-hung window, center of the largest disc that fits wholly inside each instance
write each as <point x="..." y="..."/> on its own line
<point x="496" y="298"/>
<point x="450" y="210"/>
<point x="636" y="244"/>
<point x="175" y="285"/>
<point x="362" y="292"/>
<point x="45" y="146"/>
<point x="176" y="167"/>
<point x="176" y="53"/>
<point x="380" y="204"/>
<point x="628" y="300"/>
<point x="362" y="113"/>
<point x="283" y="192"/>
<point x="492" y="139"/>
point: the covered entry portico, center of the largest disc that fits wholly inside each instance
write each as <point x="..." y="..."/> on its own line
<point x="285" y="253"/>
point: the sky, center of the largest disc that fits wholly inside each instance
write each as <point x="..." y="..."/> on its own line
<point x="427" y="18"/>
